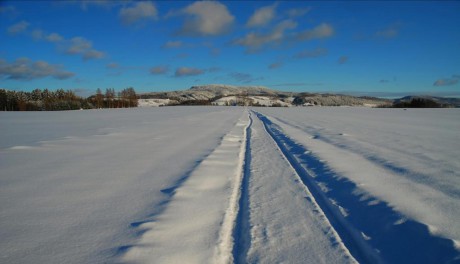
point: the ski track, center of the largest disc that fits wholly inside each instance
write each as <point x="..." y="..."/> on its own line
<point x="263" y="196"/>
<point x="240" y="233"/>
<point x="196" y="223"/>
<point x="370" y="228"/>
<point x="258" y="213"/>
<point x="286" y="223"/>
<point x="409" y="174"/>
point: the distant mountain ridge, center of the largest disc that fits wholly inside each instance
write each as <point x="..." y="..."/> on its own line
<point x="206" y="92"/>
<point x="455" y="102"/>
<point x="253" y="95"/>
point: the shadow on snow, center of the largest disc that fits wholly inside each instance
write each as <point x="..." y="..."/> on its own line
<point x="369" y="224"/>
<point x="158" y="209"/>
<point x="241" y="232"/>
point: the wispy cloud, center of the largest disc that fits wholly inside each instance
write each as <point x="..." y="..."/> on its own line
<point x="74" y="46"/>
<point x="25" y="69"/>
<point x="447" y="81"/>
<point x="173" y="44"/>
<point x="318" y="52"/>
<point x="282" y="33"/>
<point x="158" y="70"/>
<point x="83" y="47"/>
<point x="298" y="12"/>
<point x="8" y="11"/>
<point x="206" y="18"/>
<point x="18" y="27"/>
<point x="262" y="16"/>
<point x="139" y="11"/>
<point x="188" y="71"/>
<point x="214" y="69"/>
<point x="38" y="35"/>
<point x="342" y="60"/>
<point x="85" y="4"/>
<point x="255" y="41"/>
<point x="54" y="37"/>
<point x="321" y="31"/>
<point x="389" y="32"/>
<point x="112" y="65"/>
<point x="275" y="65"/>
<point x="244" y="77"/>
<point x="93" y="54"/>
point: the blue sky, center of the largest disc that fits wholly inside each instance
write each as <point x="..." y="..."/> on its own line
<point x="364" y="47"/>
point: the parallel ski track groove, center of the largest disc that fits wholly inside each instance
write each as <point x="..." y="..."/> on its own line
<point x="241" y="231"/>
<point x="351" y="239"/>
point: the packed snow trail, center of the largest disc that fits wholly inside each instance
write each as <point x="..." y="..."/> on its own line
<point x="286" y="225"/>
<point x="197" y="224"/>
<point x="360" y="217"/>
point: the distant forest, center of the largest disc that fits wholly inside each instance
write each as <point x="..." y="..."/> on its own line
<point x="46" y="100"/>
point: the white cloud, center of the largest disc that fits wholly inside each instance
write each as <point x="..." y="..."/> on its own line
<point x="157" y="70"/>
<point x="54" y="37"/>
<point x="321" y="31"/>
<point x="140" y="11"/>
<point x="25" y="69"/>
<point x="254" y="41"/>
<point x="38" y="34"/>
<point x="73" y="46"/>
<point x="83" y="47"/>
<point x="262" y="16"/>
<point x="206" y="18"/>
<point x="93" y="54"/>
<point x="78" y="45"/>
<point x="18" y="27"/>
<point x="187" y="71"/>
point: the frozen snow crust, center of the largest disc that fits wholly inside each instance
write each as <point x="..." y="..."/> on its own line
<point x="230" y="185"/>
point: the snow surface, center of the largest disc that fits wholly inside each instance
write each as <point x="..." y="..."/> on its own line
<point x="230" y="185"/>
<point x="398" y="166"/>
<point x="287" y="225"/>
<point x="154" y="102"/>
<point x="83" y="180"/>
<point x="261" y="100"/>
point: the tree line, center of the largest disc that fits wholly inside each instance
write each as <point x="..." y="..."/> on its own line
<point x="46" y="100"/>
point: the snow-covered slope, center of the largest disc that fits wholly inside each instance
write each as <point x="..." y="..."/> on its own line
<point x="219" y="94"/>
<point x="155" y="102"/>
<point x="207" y="92"/>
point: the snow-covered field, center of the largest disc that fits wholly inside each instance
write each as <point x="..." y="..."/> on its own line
<point x="230" y="185"/>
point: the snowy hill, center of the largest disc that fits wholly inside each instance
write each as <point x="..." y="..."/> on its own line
<point x="442" y="101"/>
<point x="220" y="94"/>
